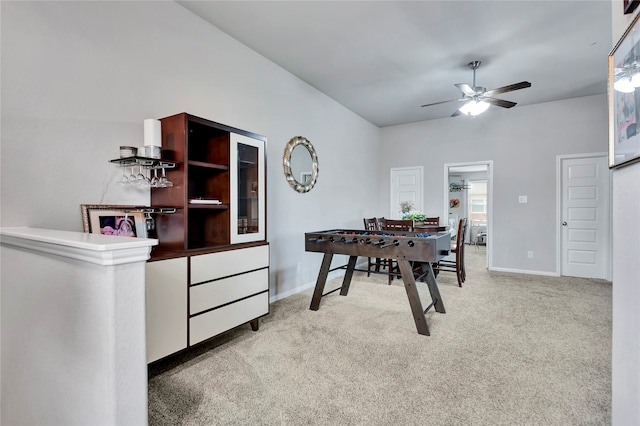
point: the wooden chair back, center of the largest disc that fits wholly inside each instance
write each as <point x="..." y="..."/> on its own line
<point x="398" y="225"/>
<point x="370" y="224"/>
<point x="456" y="266"/>
<point x="462" y="229"/>
<point x="432" y="220"/>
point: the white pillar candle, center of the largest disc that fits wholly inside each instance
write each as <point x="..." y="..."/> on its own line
<point x="152" y="132"/>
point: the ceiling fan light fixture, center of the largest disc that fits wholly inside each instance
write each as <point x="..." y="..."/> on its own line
<point x="474" y="107"/>
<point x="477" y="98"/>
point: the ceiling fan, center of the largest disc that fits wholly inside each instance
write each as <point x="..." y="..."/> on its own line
<point x="477" y="98"/>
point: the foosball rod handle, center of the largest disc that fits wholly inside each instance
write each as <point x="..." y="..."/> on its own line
<point x="394" y="243"/>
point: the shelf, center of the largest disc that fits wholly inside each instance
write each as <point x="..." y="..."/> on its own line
<point x="160" y="210"/>
<point x="209" y="206"/>
<point x="149" y="163"/>
<point x="208" y="165"/>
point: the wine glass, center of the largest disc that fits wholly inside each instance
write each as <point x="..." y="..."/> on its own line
<point x="132" y="177"/>
<point x="149" y="221"/>
<point x="154" y="180"/>
<point x="141" y="180"/>
<point x="124" y="180"/>
<point x="164" y="182"/>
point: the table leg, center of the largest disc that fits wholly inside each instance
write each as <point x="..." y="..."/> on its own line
<point x="347" y="276"/>
<point x="322" y="280"/>
<point x="430" y="278"/>
<point x="414" y="298"/>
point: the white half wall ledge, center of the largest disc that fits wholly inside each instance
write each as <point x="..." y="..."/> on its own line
<point x="79" y="299"/>
<point x="99" y="249"/>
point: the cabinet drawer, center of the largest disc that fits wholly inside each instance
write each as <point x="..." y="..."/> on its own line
<point x="212" y="266"/>
<point x="222" y="319"/>
<point x="216" y="293"/>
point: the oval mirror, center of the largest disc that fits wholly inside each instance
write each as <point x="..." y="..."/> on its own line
<point x="300" y="164"/>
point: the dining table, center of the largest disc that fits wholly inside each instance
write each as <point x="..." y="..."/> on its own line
<point x="431" y="229"/>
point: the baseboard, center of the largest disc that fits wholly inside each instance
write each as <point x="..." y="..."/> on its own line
<point x="525" y="271"/>
<point x="333" y="274"/>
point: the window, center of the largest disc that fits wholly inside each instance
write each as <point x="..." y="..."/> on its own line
<point x="478" y="205"/>
<point x="477" y="199"/>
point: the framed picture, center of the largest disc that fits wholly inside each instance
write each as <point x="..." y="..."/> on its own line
<point x="125" y="221"/>
<point x="624" y="98"/>
<point x="630" y="5"/>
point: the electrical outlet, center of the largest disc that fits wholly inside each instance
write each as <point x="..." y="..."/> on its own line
<point x="522" y="198"/>
<point x="530" y="254"/>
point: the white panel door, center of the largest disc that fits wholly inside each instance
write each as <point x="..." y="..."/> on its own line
<point x="585" y="217"/>
<point x="406" y="185"/>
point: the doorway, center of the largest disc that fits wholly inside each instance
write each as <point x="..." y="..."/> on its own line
<point x="459" y="201"/>
<point x="584" y="216"/>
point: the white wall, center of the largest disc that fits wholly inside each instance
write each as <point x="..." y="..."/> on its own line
<point x="79" y="78"/>
<point x="523" y="143"/>
<point x="626" y="272"/>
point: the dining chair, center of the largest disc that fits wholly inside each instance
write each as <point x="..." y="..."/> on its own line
<point x="396" y="225"/>
<point x="372" y="225"/>
<point x="457" y="249"/>
<point x="432" y="221"/>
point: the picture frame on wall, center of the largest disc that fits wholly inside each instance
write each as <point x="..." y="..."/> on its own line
<point x="624" y="98"/>
<point x="107" y="219"/>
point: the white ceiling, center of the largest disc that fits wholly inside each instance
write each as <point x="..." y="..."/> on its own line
<point x="383" y="59"/>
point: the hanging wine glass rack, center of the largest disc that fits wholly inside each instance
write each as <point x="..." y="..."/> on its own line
<point x="147" y="163"/>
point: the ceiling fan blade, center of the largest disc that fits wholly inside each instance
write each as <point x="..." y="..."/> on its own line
<point x="466" y="89"/>
<point x="509" y="88"/>
<point x="500" y="102"/>
<point x="438" y="103"/>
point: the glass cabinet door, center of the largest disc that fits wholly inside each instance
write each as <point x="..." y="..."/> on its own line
<point x="247" y="189"/>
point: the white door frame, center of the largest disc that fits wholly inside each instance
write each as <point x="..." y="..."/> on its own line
<point x="391" y="189"/>
<point x="489" y="164"/>
<point x="608" y="242"/>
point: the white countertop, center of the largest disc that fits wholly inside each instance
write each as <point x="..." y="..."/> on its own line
<point x="94" y="248"/>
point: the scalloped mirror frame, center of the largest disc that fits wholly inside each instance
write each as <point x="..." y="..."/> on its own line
<point x="286" y="163"/>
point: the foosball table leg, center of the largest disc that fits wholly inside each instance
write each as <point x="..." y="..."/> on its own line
<point x="414" y="298"/>
<point x="322" y="280"/>
<point x="351" y="266"/>
<point x="430" y="278"/>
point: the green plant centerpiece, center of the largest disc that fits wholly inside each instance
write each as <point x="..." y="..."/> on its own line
<point x="415" y="216"/>
<point x="406" y="207"/>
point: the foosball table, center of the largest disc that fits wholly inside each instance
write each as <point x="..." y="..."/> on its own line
<point x="412" y="251"/>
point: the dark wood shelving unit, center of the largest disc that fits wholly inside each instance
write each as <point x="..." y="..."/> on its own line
<point x="199" y="149"/>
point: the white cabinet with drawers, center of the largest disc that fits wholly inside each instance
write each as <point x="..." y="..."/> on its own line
<point x="193" y="298"/>
<point x="227" y="289"/>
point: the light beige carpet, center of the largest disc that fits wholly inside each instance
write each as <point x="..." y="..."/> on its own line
<point x="511" y="349"/>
